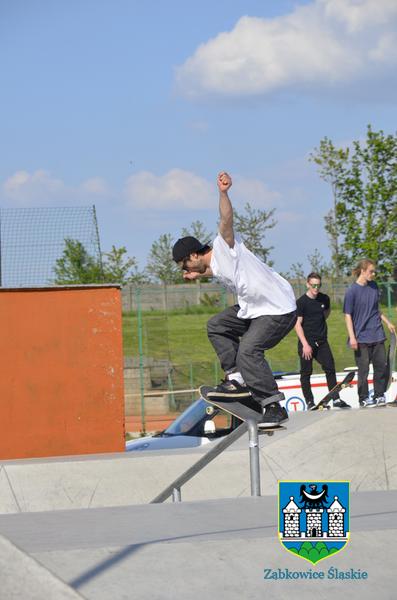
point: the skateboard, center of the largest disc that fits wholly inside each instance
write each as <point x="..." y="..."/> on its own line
<point x="244" y="411"/>
<point x="391" y="357"/>
<point x="323" y="404"/>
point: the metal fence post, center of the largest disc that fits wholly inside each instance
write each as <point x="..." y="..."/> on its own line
<point x="191" y="378"/>
<point x="389" y="301"/>
<point x="140" y="349"/>
<point x="216" y="372"/>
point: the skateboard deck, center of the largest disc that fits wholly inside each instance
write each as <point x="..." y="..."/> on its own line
<point x="391" y="357"/>
<point x="248" y="410"/>
<point x="335" y="390"/>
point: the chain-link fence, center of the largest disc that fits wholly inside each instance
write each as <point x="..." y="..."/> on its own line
<point x="168" y="355"/>
<point x="33" y="239"/>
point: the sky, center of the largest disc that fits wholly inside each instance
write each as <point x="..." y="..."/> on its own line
<point x="136" y="105"/>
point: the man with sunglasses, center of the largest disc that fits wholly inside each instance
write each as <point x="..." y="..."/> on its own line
<point x="265" y="313"/>
<point x="311" y="328"/>
<point x="363" y="320"/>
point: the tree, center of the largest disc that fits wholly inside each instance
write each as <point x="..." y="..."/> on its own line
<point x="366" y="202"/>
<point x="198" y="230"/>
<point x="252" y="227"/>
<point x="120" y="268"/>
<point x="331" y="162"/>
<point x="160" y="264"/>
<point x="77" y="266"/>
<point x="296" y="273"/>
<point x="317" y="263"/>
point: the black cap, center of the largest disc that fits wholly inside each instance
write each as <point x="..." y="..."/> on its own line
<point x="185" y="246"/>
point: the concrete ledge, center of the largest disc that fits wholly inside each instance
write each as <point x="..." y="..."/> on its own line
<point x="21" y="576"/>
<point x="355" y="445"/>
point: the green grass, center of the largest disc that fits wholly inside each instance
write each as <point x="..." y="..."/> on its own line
<point x="181" y="338"/>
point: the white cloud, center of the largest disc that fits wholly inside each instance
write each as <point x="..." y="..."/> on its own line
<point x="175" y="190"/>
<point x="27" y="188"/>
<point x="95" y="185"/>
<point x="40" y="188"/>
<point x="253" y="191"/>
<point x="322" y="44"/>
<point x="179" y="189"/>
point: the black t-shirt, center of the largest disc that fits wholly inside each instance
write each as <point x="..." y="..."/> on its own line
<point x="312" y="310"/>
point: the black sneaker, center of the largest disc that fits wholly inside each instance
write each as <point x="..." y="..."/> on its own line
<point x="339" y="403"/>
<point x="310" y="405"/>
<point x="229" y="388"/>
<point x="274" y="415"/>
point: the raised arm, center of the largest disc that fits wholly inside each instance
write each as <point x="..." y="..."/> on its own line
<point x="225" y="209"/>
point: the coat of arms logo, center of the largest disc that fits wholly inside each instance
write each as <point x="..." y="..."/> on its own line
<point x="313" y="518"/>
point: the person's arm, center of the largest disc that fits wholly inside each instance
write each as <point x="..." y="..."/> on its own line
<point x="195" y="275"/>
<point x="388" y="323"/>
<point x="350" y="330"/>
<point x="327" y="312"/>
<point x="225" y="209"/>
<point x="307" y="350"/>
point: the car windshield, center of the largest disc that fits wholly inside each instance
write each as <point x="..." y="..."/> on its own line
<point x="187" y="422"/>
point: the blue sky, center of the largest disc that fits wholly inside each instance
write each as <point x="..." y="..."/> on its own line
<point x="135" y="106"/>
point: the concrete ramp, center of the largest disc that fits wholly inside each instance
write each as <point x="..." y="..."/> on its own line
<point x="21" y="576"/>
<point x="355" y="445"/>
<point x="212" y="549"/>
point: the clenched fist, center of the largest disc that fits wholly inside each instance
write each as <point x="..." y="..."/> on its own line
<point x="224" y="181"/>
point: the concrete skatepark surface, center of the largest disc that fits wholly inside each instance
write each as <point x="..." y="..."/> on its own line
<point x="218" y="541"/>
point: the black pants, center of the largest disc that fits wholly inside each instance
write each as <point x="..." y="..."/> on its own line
<point x="375" y="354"/>
<point x="240" y="344"/>
<point x="323" y="355"/>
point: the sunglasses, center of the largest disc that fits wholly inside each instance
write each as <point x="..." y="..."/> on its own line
<point x="316" y="286"/>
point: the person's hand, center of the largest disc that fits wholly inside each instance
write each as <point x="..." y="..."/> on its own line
<point x="224" y="181"/>
<point x="391" y="327"/>
<point x="307" y="351"/>
<point x="353" y="343"/>
<point x="191" y="275"/>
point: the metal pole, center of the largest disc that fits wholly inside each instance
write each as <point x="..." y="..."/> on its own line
<point x="389" y="301"/>
<point x="176" y="495"/>
<point x="254" y="457"/>
<point x="202" y="462"/>
<point x="140" y="349"/>
<point x="191" y="378"/>
<point x="98" y="241"/>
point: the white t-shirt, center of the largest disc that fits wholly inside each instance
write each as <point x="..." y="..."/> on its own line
<point x="260" y="290"/>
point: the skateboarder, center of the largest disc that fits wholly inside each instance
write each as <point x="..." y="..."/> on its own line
<point x="366" y="335"/>
<point x="314" y="309"/>
<point x="265" y="313"/>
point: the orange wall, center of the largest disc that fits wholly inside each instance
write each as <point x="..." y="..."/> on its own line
<point x="61" y="372"/>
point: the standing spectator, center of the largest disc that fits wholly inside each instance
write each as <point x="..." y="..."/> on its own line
<point x="366" y="335"/>
<point x="314" y="309"/>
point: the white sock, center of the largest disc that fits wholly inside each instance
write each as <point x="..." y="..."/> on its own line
<point x="237" y="377"/>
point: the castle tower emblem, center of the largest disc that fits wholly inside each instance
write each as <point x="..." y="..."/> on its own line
<point x="310" y="525"/>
